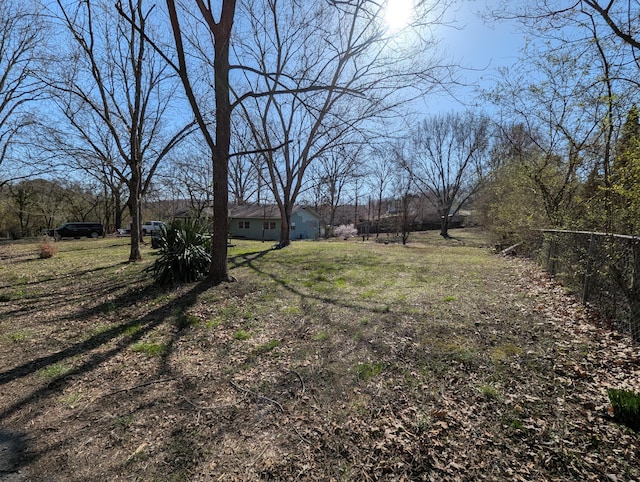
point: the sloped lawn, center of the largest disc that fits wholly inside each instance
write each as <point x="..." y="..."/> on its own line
<point x="332" y="360"/>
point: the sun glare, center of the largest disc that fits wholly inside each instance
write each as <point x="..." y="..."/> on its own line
<point x="398" y="14"/>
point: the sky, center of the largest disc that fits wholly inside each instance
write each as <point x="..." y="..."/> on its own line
<point x="481" y="47"/>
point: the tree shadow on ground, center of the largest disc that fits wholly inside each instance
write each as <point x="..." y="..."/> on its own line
<point x="77" y="274"/>
<point x="249" y="260"/>
<point x="94" y="351"/>
<point x="12" y="449"/>
<point x="246" y="259"/>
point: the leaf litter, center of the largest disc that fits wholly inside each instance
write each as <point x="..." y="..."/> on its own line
<point x="507" y="385"/>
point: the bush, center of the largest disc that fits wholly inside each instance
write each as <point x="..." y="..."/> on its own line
<point x="47" y="250"/>
<point x="185" y="254"/>
<point x="626" y="407"/>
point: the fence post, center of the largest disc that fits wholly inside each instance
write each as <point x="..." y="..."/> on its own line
<point x="587" y="272"/>
<point x="634" y="299"/>
<point x="551" y="259"/>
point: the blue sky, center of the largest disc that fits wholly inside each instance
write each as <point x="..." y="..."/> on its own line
<point x="479" y="46"/>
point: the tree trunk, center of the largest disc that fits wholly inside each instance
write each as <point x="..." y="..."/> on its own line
<point x="218" y="271"/>
<point x="118" y="210"/>
<point x="444" y="225"/>
<point x="379" y="213"/>
<point x="285" y="226"/>
<point x="134" y="210"/>
<point x="134" y="253"/>
<point x="406" y="229"/>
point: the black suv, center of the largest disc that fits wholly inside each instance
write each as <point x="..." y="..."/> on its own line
<point x="77" y="230"/>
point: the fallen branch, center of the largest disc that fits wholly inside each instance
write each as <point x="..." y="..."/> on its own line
<point x="256" y="395"/>
<point x="295" y="429"/>
<point x="299" y="378"/>
<point x="506" y="251"/>
<point x="206" y="407"/>
<point x="108" y="394"/>
<point x="152" y="382"/>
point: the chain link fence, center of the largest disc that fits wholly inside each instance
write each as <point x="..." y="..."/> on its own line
<point x="602" y="268"/>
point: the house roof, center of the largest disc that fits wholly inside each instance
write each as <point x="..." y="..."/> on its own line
<point x="265" y="211"/>
<point x="254" y="211"/>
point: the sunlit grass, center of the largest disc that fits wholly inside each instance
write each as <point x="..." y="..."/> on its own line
<point x="241" y="335"/>
<point x="71" y="400"/>
<point x="368" y="370"/>
<point x="150" y="349"/>
<point x="20" y="336"/>
<point x="505" y="352"/>
<point x="489" y="391"/>
<point x="55" y="370"/>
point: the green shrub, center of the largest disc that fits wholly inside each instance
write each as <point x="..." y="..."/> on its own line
<point x="185" y="254"/>
<point x="626" y="407"/>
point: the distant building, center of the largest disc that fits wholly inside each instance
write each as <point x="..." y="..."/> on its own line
<point x="263" y="222"/>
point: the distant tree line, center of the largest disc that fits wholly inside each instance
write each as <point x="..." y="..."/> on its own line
<point x="28" y="207"/>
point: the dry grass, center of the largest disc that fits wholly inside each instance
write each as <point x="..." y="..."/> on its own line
<point x="325" y="361"/>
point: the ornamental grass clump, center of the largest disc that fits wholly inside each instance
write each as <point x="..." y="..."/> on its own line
<point x="626" y="407"/>
<point x="46" y="250"/>
<point x="184" y="255"/>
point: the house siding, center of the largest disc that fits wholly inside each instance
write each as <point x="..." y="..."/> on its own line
<point x="248" y="223"/>
<point x="252" y="228"/>
<point x="304" y="226"/>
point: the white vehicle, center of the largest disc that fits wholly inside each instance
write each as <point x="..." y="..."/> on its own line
<point x="153" y="227"/>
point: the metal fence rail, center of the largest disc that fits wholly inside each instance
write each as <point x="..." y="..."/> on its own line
<point x="603" y="268"/>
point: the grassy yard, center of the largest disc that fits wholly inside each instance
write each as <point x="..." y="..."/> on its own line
<point x="331" y="360"/>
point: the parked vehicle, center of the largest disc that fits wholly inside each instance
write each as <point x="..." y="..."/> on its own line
<point x="153" y="227"/>
<point x="77" y="230"/>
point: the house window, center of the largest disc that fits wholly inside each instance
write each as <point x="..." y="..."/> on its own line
<point x="243" y="224"/>
<point x="269" y="225"/>
<point x="293" y="226"/>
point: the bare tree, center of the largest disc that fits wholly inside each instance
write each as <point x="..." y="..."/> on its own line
<point x="217" y="138"/>
<point x="447" y="160"/>
<point x="37" y="204"/>
<point x="619" y="17"/>
<point x="116" y="95"/>
<point x="601" y="40"/>
<point x="379" y="179"/>
<point x="345" y="62"/>
<point x="404" y="198"/>
<point x="23" y="196"/>
<point x="98" y="161"/>
<point x="330" y="71"/>
<point x="22" y="34"/>
<point x="245" y="168"/>
<point x="188" y="176"/>
<point x="333" y="173"/>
